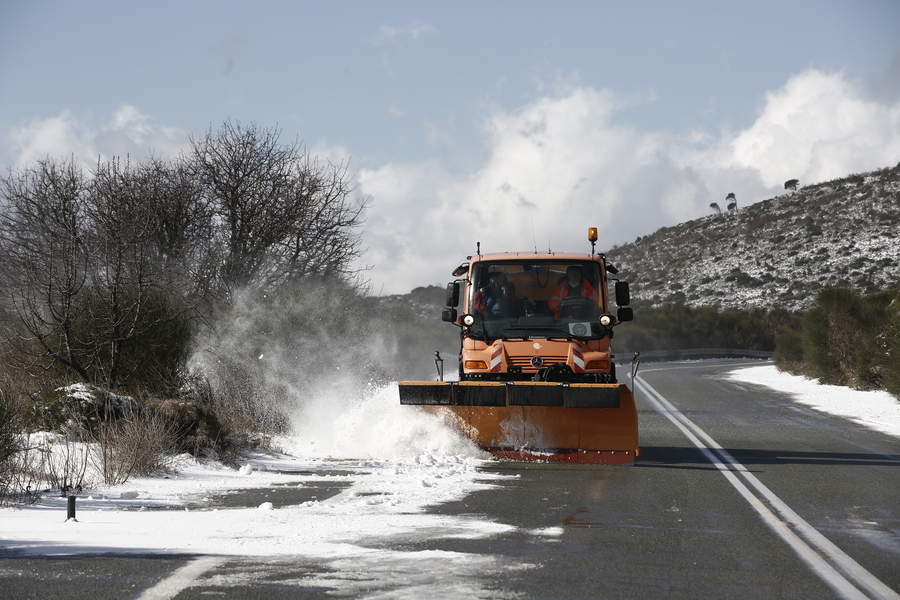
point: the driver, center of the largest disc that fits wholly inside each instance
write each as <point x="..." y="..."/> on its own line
<point x="574" y="285"/>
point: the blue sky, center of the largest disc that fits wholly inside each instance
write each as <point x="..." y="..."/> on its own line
<point x="508" y="123"/>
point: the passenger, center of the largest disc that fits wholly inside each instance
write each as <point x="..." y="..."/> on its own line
<point x="498" y="299"/>
<point x="506" y="305"/>
<point x="574" y="285"/>
<point x="484" y="294"/>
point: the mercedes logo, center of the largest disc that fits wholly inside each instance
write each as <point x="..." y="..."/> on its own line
<point x="537" y="361"/>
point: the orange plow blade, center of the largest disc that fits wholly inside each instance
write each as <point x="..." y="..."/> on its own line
<point x="554" y="422"/>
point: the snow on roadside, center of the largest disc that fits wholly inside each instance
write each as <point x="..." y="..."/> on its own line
<point x="348" y="516"/>
<point x="877" y="409"/>
<point x="363" y="476"/>
<point x="381" y="499"/>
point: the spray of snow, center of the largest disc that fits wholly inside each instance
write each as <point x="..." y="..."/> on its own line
<point x="374" y="425"/>
<point x="328" y="360"/>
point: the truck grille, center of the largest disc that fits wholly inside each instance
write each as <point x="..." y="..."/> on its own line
<point x="524" y="362"/>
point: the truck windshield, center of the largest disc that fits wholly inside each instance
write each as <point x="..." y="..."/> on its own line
<point x="547" y="298"/>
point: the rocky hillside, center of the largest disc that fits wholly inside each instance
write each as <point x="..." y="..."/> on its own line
<point x="775" y="253"/>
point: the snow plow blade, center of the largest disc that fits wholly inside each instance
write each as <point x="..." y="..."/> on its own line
<point x="555" y="422"/>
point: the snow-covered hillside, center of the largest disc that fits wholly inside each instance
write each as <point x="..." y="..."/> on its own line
<point x="775" y="253"/>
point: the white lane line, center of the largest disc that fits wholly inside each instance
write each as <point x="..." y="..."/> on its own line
<point x="172" y="585"/>
<point x="828" y="561"/>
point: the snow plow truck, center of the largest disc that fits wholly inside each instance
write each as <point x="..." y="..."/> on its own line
<point x="536" y="379"/>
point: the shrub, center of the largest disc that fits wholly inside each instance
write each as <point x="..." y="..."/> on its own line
<point x="10" y="447"/>
<point x="830" y="335"/>
<point x="200" y="429"/>
<point x="138" y="443"/>
<point x="77" y="407"/>
<point x="844" y="337"/>
<point x="891" y="369"/>
<point x="788" y="354"/>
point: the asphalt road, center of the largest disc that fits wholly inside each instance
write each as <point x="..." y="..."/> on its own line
<point x="738" y="493"/>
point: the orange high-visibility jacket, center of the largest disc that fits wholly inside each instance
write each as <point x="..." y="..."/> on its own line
<point x="562" y="292"/>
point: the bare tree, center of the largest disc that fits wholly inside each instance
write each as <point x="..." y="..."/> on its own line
<point x="183" y="244"/>
<point x="102" y="273"/>
<point x="715" y="207"/>
<point x="149" y="231"/>
<point x="123" y="229"/>
<point x="91" y="280"/>
<point x="281" y="215"/>
<point x="184" y="216"/>
<point x="43" y="264"/>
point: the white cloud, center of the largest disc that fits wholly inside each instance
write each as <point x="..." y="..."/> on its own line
<point x="128" y="132"/>
<point x="556" y="167"/>
<point x="565" y="162"/>
<point x="415" y="30"/>
<point x="817" y="127"/>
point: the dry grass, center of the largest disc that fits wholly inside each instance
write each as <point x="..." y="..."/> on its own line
<point x="137" y="444"/>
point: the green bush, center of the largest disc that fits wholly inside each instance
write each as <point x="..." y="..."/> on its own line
<point x="678" y="327"/>
<point x="788" y="355"/>
<point x="891" y="368"/>
<point x="847" y="338"/>
<point x="78" y="407"/>
<point x="10" y="430"/>
<point x="138" y="351"/>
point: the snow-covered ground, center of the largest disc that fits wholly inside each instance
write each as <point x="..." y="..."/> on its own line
<point x="389" y="462"/>
<point x="877" y="410"/>
<point x="341" y="494"/>
<point x="352" y="509"/>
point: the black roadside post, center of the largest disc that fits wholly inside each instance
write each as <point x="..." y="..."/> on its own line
<point x="70" y="516"/>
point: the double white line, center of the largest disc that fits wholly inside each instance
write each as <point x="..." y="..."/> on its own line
<point x="846" y="576"/>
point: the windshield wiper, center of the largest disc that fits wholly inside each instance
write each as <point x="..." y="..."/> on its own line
<point x="565" y="334"/>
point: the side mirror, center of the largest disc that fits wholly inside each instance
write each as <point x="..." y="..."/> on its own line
<point x="448" y="315"/>
<point x="623" y="296"/>
<point x="625" y="314"/>
<point x="453" y="294"/>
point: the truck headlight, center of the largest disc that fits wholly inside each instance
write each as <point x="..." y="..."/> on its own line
<point x="606" y="320"/>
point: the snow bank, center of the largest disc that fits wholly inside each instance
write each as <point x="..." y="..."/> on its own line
<point x="877" y="410"/>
